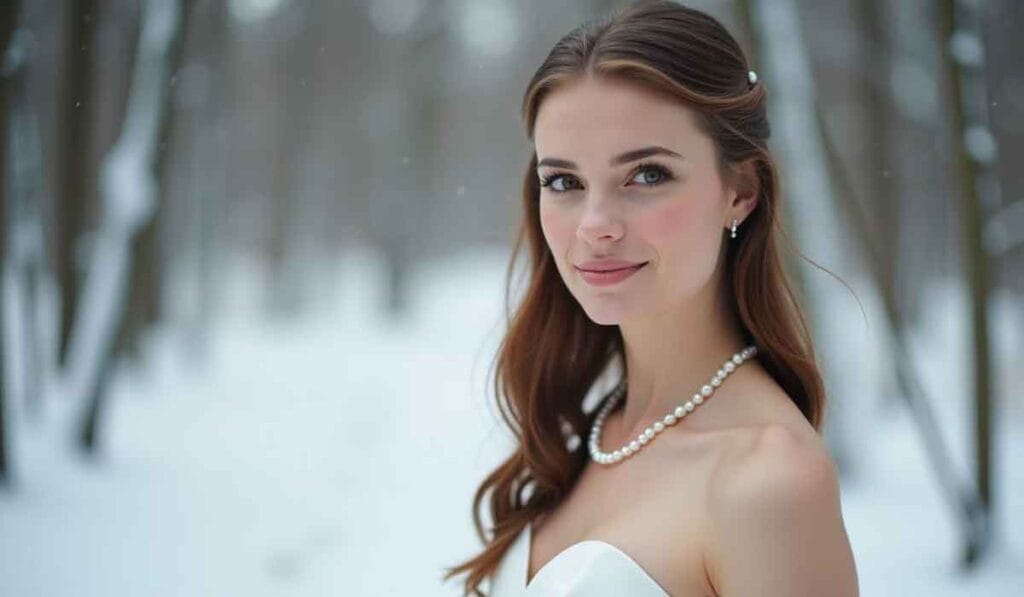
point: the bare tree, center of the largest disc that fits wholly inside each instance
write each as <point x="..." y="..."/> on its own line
<point x="292" y="116"/>
<point x="883" y="199"/>
<point x="963" y="65"/>
<point x="8" y="16"/>
<point x="129" y="197"/>
<point x="74" y="105"/>
<point x="961" y="497"/>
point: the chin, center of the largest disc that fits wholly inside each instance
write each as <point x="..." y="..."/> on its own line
<point x="605" y="314"/>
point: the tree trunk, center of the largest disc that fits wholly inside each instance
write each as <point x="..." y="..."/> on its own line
<point x="8" y="16"/>
<point x="883" y="201"/>
<point x="976" y="261"/>
<point x="130" y="193"/>
<point x="73" y="147"/>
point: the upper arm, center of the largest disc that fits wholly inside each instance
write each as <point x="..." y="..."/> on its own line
<point x="776" y="524"/>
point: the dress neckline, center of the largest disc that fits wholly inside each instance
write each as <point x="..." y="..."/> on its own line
<point x="528" y="582"/>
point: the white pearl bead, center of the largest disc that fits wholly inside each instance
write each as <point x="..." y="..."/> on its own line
<point x="659" y="426"/>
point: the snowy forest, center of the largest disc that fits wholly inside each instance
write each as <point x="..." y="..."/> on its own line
<point x="253" y="276"/>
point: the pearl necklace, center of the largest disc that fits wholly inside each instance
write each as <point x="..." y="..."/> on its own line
<point x="609" y="458"/>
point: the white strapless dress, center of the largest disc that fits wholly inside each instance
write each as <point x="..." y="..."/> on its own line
<point x="592" y="568"/>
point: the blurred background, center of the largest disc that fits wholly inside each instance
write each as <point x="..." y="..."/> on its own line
<point x="253" y="279"/>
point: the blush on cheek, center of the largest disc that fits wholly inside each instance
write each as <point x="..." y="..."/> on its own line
<point x="684" y="234"/>
<point x="671" y="220"/>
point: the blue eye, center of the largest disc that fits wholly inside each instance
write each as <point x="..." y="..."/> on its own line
<point x="651" y="175"/>
<point x="648" y="175"/>
<point x="557" y="182"/>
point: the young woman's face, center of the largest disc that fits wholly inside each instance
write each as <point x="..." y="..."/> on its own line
<point x="627" y="175"/>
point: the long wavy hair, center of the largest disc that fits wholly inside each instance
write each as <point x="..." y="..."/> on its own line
<point x="552" y="352"/>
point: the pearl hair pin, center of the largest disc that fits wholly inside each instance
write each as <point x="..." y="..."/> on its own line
<point x="609" y="458"/>
<point x="752" y="77"/>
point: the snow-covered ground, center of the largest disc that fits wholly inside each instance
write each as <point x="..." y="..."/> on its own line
<point x="336" y="454"/>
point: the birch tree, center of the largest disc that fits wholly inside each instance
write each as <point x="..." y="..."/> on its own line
<point x="128" y="193"/>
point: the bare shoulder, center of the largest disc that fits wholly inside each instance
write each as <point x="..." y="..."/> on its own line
<point x="776" y="462"/>
<point x="775" y="518"/>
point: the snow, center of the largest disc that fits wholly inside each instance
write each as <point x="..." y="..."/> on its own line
<point x="981" y="144"/>
<point x="967" y="49"/>
<point x="336" y="453"/>
<point x="128" y="191"/>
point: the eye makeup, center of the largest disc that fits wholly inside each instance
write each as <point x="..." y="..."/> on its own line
<point x="664" y="175"/>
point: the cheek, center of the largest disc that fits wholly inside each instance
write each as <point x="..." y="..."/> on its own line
<point x="673" y="223"/>
<point x="684" y="235"/>
<point x="557" y="228"/>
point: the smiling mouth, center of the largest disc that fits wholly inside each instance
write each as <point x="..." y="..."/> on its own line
<point x="608" y="277"/>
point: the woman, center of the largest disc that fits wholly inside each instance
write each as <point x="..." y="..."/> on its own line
<point x="651" y="212"/>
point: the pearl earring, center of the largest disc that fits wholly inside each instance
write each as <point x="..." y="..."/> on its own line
<point x="733" y="235"/>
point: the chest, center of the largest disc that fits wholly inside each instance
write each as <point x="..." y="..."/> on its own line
<point x="653" y="509"/>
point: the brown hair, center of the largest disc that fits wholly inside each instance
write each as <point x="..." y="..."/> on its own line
<point x="553" y="353"/>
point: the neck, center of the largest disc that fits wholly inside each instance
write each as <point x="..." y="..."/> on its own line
<point x="670" y="356"/>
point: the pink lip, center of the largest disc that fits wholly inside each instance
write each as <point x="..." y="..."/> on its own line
<point x="604" y="265"/>
<point x="608" y="277"/>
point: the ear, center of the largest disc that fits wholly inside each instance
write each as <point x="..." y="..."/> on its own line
<point x="743" y="192"/>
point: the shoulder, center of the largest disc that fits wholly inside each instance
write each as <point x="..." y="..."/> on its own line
<point x="775" y="519"/>
<point x="775" y="465"/>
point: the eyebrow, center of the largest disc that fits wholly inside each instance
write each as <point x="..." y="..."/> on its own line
<point x="624" y="158"/>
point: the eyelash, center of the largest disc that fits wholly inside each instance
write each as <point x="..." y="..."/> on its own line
<point x="666" y="176"/>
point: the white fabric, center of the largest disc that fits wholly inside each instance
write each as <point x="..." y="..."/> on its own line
<point x="592" y="568"/>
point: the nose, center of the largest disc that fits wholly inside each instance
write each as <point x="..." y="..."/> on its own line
<point x="599" y="222"/>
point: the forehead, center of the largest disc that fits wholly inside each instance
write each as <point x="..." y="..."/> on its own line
<point x="597" y="116"/>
